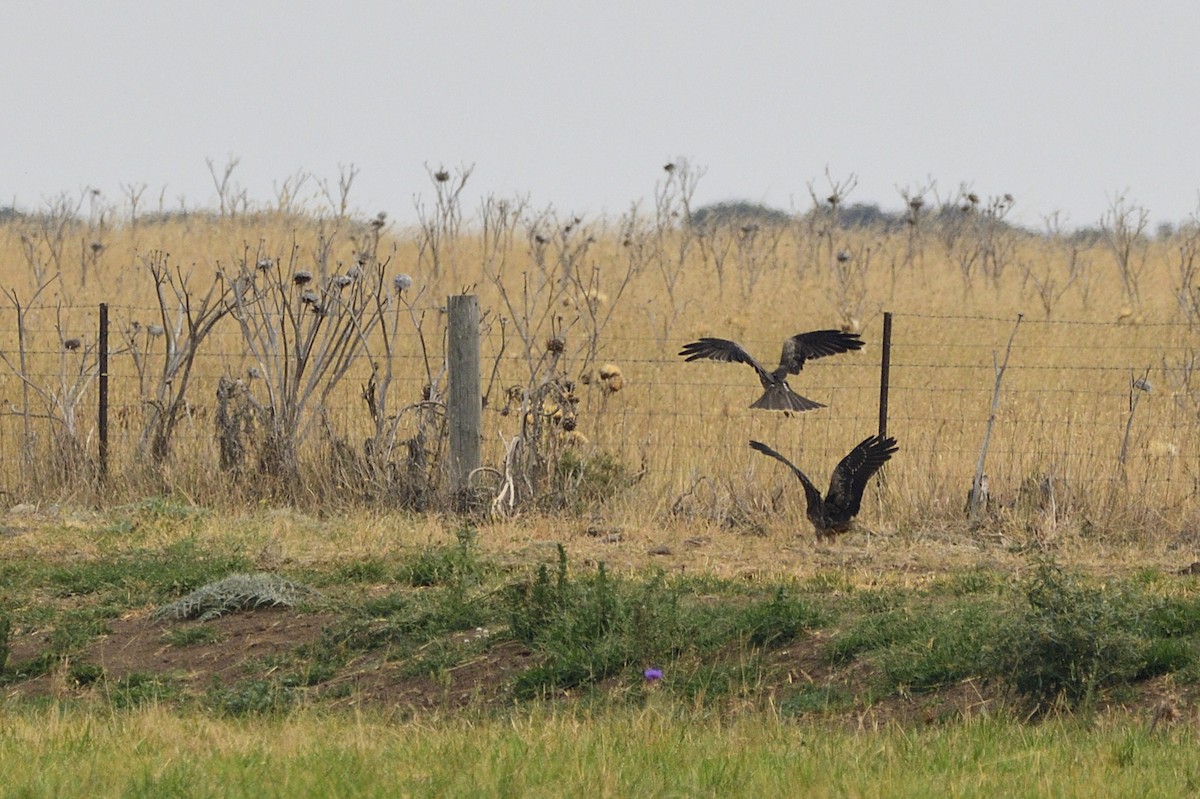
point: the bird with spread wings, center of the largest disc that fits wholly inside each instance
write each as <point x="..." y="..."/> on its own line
<point x="832" y="514"/>
<point x="777" y="394"/>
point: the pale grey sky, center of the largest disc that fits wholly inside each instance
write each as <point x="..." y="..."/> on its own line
<point x="1062" y="104"/>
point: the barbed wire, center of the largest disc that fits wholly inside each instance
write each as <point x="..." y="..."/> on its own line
<point x="937" y="417"/>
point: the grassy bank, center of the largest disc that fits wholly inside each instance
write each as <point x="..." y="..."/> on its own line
<point x="136" y="608"/>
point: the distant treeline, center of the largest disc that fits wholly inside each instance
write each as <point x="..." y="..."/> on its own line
<point x="863" y="216"/>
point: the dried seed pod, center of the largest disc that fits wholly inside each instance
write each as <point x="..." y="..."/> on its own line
<point x="555" y="344"/>
<point x="302" y="277"/>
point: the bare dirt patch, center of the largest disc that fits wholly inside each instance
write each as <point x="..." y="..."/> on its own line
<point x="481" y="682"/>
<point x="137" y="645"/>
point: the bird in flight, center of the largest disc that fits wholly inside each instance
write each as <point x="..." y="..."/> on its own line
<point x="778" y="395"/>
<point x="833" y="513"/>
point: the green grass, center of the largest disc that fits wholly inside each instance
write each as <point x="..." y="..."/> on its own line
<point x="193" y="636"/>
<point x="817" y="646"/>
<point x="63" y="752"/>
<point x="1053" y="639"/>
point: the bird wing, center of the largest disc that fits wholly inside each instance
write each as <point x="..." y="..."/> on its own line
<point x="851" y="475"/>
<point x="811" y="494"/>
<point x="719" y="349"/>
<point x="816" y="344"/>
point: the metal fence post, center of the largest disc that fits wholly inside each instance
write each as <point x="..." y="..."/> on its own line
<point x="465" y="406"/>
<point x="885" y="368"/>
<point x="102" y="411"/>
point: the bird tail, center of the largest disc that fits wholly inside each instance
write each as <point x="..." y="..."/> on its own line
<point x="780" y="397"/>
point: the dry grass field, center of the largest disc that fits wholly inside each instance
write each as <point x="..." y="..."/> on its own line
<point x="277" y="406"/>
<point x="1076" y="450"/>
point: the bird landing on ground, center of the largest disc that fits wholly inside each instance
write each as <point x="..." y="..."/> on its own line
<point x="833" y="513"/>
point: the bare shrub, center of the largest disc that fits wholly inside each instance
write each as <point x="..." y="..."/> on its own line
<point x="554" y="314"/>
<point x="302" y="334"/>
<point x="232" y="198"/>
<point x="395" y="470"/>
<point x="1050" y="278"/>
<point x="976" y="236"/>
<point x="70" y="465"/>
<point x="439" y="227"/>
<point x="185" y="321"/>
<point x="1123" y="229"/>
<point x="825" y="219"/>
<point x="44" y="236"/>
<point x="669" y="239"/>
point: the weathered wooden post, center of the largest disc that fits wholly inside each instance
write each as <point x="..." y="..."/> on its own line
<point x="102" y="410"/>
<point x="464" y="408"/>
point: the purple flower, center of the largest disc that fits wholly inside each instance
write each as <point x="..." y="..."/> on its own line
<point x="652" y="675"/>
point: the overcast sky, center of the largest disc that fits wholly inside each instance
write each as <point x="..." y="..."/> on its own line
<point x="1062" y="104"/>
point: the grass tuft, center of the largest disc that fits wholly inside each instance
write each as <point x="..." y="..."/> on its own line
<point x="233" y="593"/>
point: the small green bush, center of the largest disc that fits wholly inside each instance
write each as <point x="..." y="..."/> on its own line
<point x="255" y="697"/>
<point x="1167" y="655"/>
<point x="580" y="482"/>
<point x="1071" y="640"/>
<point x="951" y="645"/>
<point x="139" y="689"/>
<point x="445" y="565"/>
<point x="871" y="632"/>
<point x="84" y="674"/>
<point x="590" y="627"/>
<point x="779" y="621"/>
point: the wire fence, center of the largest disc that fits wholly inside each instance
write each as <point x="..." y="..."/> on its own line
<point x="1101" y="416"/>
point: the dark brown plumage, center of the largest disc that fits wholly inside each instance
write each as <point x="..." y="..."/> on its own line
<point x="833" y="513"/>
<point x="778" y="395"/>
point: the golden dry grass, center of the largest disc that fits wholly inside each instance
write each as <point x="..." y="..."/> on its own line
<point x="638" y="291"/>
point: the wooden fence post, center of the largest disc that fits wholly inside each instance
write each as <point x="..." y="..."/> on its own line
<point x="464" y="409"/>
<point x="102" y="410"/>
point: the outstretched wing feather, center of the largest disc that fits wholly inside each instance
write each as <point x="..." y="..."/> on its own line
<point x="811" y="494"/>
<point x="816" y="344"/>
<point x="851" y="475"/>
<point x="719" y="349"/>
